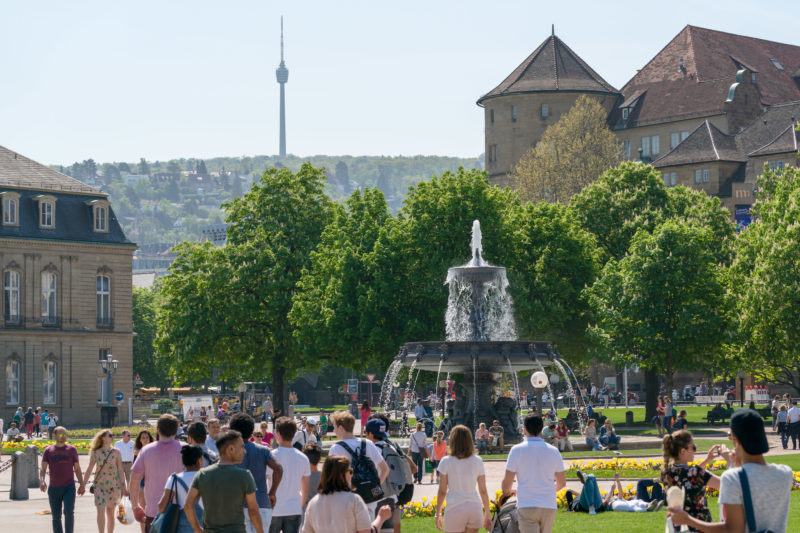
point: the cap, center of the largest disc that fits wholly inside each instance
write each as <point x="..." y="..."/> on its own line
<point x="377" y="427"/>
<point x="311" y="420"/>
<point x="748" y="428"/>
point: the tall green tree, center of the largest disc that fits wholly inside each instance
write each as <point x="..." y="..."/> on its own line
<point x="766" y="282"/>
<point x="146" y="362"/>
<point x="571" y="154"/>
<point x="144" y="167"/>
<point x="664" y="305"/>
<point x="250" y="284"/>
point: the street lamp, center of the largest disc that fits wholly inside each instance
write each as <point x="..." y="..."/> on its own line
<point x="539" y="382"/>
<point x="109" y="367"/>
<point x="741" y="375"/>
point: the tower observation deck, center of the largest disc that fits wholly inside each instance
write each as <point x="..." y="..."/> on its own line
<point x="282" y="75"/>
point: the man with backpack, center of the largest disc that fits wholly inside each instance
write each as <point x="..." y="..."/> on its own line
<point x="369" y="467"/>
<point x="398" y="487"/>
<point x="306" y="434"/>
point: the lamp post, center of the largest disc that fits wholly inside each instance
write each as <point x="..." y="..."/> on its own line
<point x="242" y="389"/>
<point x="109" y="367"/>
<point x="741" y="375"/>
<point x="539" y="382"/>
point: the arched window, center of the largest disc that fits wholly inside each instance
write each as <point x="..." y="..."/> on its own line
<point x="103" y="301"/>
<point x="11" y="296"/>
<point x="13" y="370"/>
<point x="49" y="313"/>
<point x="49" y="382"/>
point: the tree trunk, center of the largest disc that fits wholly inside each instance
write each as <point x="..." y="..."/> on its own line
<point x="651" y="398"/>
<point x="278" y="375"/>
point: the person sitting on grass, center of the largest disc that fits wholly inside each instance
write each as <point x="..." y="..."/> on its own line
<point x="590" y="501"/>
<point x="591" y="436"/>
<point x="608" y="437"/>
<point x="562" y="436"/>
<point x="549" y="433"/>
<point x="680" y="422"/>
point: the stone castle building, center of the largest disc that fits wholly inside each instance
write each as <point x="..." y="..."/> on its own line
<point x="66" y="278"/>
<point x="708" y="110"/>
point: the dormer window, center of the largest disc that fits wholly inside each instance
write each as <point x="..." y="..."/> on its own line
<point x="10" y="208"/>
<point x="47" y="211"/>
<point x="99" y="215"/>
<point x="626" y="112"/>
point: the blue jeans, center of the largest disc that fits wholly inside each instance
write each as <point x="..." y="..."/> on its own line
<point x="590" y="495"/>
<point x="641" y="490"/>
<point x="610" y="441"/>
<point x="783" y="433"/>
<point x="183" y="523"/>
<point x="595" y="444"/>
<point x="420" y="462"/>
<point x="286" y="524"/>
<point x="483" y="447"/>
<point x="59" y="496"/>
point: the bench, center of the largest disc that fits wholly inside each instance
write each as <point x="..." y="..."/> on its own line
<point x="712" y="416"/>
<point x="708" y="400"/>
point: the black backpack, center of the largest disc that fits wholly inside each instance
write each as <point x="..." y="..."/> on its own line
<point x="366" y="481"/>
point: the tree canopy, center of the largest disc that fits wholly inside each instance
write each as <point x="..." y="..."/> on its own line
<point x="571" y="154"/>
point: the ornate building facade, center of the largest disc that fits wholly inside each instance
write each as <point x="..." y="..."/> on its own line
<point x="66" y="295"/>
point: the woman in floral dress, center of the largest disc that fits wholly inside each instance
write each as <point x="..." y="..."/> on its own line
<point x="109" y="478"/>
<point x="679" y="450"/>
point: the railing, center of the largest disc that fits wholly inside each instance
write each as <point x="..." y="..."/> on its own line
<point x="105" y="323"/>
<point x="14" y="321"/>
<point x="5" y="465"/>
<point x="51" y="322"/>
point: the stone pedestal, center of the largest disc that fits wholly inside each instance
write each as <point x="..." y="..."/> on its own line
<point x="19" y="477"/>
<point x="32" y="456"/>
<point x="473" y="405"/>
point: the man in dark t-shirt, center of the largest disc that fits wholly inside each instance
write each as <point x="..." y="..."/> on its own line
<point x="62" y="460"/>
<point x="225" y="489"/>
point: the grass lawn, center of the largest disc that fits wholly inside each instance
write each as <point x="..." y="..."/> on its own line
<point x="567" y="522"/>
<point x="703" y="445"/>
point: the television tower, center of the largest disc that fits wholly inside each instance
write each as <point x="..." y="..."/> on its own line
<point x="282" y="74"/>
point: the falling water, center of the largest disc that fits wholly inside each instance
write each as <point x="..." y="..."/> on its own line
<point x="570" y="390"/>
<point x="436" y="385"/>
<point x="498" y="307"/>
<point x="476" y="245"/>
<point x="408" y="385"/>
<point x="514" y="382"/>
<point x="388" y="383"/>
<point x="549" y="389"/>
<point x="474" y="392"/>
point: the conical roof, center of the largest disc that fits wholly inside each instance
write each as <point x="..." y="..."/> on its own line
<point x="553" y="66"/>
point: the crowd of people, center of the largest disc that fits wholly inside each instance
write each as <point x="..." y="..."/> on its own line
<point x="242" y="477"/>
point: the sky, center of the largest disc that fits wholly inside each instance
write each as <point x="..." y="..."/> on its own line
<point x="116" y="81"/>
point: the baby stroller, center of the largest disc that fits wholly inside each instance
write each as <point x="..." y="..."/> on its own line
<point x="505" y="519"/>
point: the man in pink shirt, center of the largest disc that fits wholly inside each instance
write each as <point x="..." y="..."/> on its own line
<point x="155" y="463"/>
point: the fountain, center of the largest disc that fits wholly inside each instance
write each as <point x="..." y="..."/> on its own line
<point x="481" y="341"/>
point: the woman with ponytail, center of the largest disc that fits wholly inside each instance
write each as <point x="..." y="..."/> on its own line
<point x="679" y="450"/>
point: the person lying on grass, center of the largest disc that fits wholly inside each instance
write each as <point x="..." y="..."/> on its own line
<point x="590" y="501"/>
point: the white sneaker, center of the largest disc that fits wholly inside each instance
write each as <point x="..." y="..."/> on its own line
<point x="591" y="510"/>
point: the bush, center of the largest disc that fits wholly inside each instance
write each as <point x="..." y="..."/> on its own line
<point x="165" y="405"/>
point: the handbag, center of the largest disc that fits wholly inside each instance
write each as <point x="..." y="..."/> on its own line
<point x="167" y="522"/>
<point x="748" y="505"/>
<point x="412" y="464"/>
<point x="91" y="487"/>
<point x="422" y="450"/>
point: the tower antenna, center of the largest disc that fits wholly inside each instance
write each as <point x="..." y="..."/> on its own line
<point x="282" y="75"/>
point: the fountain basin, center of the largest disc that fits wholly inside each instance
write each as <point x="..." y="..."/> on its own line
<point x="489" y="356"/>
<point x="476" y="273"/>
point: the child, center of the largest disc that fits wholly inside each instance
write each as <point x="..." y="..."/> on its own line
<point x="313" y="451"/>
<point x="439" y="452"/>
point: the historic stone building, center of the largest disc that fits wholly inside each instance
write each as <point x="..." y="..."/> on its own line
<point x="66" y="298"/>
<point x="708" y="110"/>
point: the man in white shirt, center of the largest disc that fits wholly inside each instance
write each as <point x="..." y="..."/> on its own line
<point x="769" y="485"/>
<point x="793" y="422"/>
<point x="213" y="433"/>
<point x="343" y="424"/>
<point x="292" y="492"/>
<point x="125" y="447"/>
<point x="419" y="411"/>
<point x="307" y="434"/>
<point x="539" y="470"/>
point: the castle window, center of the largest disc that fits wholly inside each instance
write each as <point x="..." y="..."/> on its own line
<point x="49" y="314"/>
<point x="492" y="153"/>
<point x="10" y="208"/>
<point x="776" y="63"/>
<point x="698" y="176"/>
<point x="670" y="179"/>
<point x="674" y="139"/>
<point x="626" y="148"/>
<point x="49" y="382"/>
<point x="645" y="146"/>
<point x="11" y="297"/>
<point x="753" y="76"/>
<point x="491" y="116"/>
<point x="705" y="175"/>
<point x="101" y="218"/>
<point x="545" y="110"/>
<point x="626" y="112"/>
<point x="654" y="145"/>
<point x="13" y="369"/>
<point x="47" y="211"/>
<point x="684" y="134"/>
<point x="104" y="302"/>
<point x="513" y="113"/>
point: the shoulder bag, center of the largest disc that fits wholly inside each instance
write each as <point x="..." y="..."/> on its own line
<point x="748" y="505"/>
<point x="422" y="450"/>
<point x="167" y="522"/>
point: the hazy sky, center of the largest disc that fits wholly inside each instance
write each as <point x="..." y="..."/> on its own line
<point x="169" y="79"/>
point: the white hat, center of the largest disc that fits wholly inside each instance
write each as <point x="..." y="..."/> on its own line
<point x="311" y="420"/>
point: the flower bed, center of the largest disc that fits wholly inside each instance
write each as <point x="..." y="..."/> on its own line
<point x="11" y="447"/>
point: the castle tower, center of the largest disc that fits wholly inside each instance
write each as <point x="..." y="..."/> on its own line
<point x="534" y="96"/>
<point x="282" y="75"/>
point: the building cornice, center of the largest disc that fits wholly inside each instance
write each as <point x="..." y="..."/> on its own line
<point x="48" y="243"/>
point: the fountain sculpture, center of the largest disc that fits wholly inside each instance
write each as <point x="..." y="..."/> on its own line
<point x="481" y="341"/>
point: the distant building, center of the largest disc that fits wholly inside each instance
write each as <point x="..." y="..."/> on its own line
<point x="216" y="234"/>
<point x="132" y="179"/>
<point x="153" y="257"/>
<point x="66" y="298"/>
<point x="735" y="96"/>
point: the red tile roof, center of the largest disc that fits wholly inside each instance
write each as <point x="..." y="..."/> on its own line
<point x="710" y="61"/>
<point x="705" y="143"/>
<point x="553" y="66"/>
